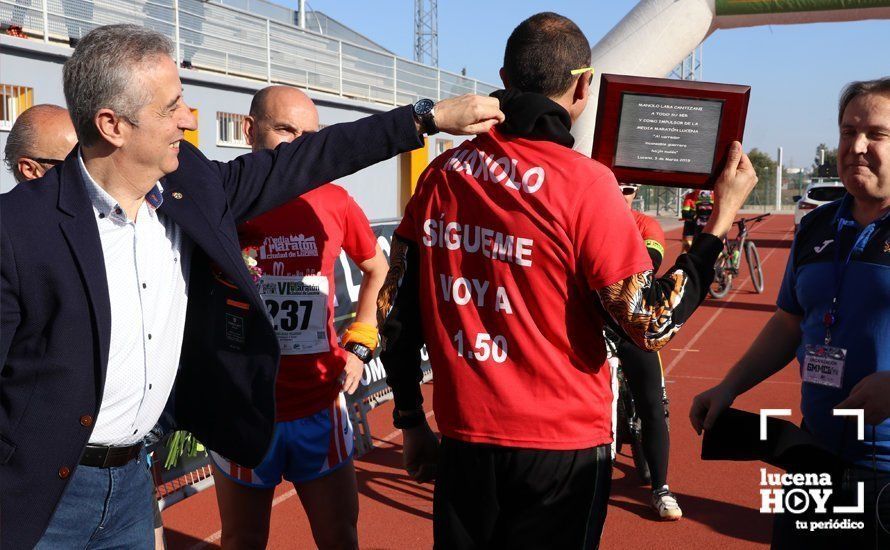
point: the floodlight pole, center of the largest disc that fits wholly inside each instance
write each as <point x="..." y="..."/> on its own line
<point x="779" y="181"/>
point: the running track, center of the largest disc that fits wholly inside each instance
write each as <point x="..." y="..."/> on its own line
<point x="719" y="499"/>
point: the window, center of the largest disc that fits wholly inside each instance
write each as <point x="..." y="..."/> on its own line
<point x="13" y="101"/>
<point x="443" y="145"/>
<point x="827" y="194"/>
<point x="229" y="131"/>
<point x="191" y="136"/>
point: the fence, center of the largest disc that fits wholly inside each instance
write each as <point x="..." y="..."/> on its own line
<point x="669" y="200"/>
<point x="223" y="39"/>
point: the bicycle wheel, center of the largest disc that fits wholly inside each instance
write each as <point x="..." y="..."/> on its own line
<point x="722" y="277"/>
<point x="753" y="259"/>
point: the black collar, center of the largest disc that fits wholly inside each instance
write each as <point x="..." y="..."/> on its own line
<point x="534" y="116"/>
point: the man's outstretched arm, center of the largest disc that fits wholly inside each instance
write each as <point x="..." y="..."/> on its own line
<point x="257" y="182"/>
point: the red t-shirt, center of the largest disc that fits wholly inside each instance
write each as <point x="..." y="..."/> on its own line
<point x="649" y="228"/>
<point x="514" y="236"/>
<point x="690" y="199"/>
<point x="296" y="246"/>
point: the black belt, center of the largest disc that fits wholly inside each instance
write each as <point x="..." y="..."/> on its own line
<point x="100" y="456"/>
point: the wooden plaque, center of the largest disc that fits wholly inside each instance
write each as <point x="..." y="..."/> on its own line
<point x="674" y="133"/>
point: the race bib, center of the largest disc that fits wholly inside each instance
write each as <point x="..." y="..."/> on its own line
<point x="824" y="365"/>
<point x="297" y="308"/>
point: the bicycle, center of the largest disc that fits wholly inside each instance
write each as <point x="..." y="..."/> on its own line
<point x="730" y="259"/>
<point x="629" y="428"/>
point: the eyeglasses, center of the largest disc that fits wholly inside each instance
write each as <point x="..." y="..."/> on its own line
<point x="628" y="189"/>
<point x="51" y="162"/>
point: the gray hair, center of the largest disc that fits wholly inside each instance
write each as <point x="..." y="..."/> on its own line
<point x="102" y="74"/>
<point x="23" y="136"/>
<point x="880" y="86"/>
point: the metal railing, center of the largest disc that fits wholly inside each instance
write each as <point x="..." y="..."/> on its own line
<point x="221" y="39"/>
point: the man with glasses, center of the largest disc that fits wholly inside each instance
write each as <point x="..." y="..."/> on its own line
<point x="41" y="137"/>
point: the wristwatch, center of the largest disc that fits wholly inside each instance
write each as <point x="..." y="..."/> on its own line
<point x="405" y="420"/>
<point x="361" y="351"/>
<point x="426" y="116"/>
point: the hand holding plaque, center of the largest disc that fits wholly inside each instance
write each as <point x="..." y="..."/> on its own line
<point x="667" y="132"/>
<point x="733" y="185"/>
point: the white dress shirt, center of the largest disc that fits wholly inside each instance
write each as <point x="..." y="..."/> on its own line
<point x="147" y="266"/>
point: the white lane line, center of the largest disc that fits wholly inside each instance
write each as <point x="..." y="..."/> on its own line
<point x="718" y="378"/>
<point x="717" y="313"/>
<point x="285" y="496"/>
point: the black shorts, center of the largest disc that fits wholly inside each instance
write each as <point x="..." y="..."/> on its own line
<point x="502" y="497"/>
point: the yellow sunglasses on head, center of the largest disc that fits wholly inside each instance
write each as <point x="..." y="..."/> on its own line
<point x="582" y="70"/>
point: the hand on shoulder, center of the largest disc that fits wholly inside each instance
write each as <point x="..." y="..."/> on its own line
<point x="468" y="114"/>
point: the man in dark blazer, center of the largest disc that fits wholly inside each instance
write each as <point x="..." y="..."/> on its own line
<point x="121" y="272"/>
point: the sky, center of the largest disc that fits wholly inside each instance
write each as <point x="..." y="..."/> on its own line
<point x="796" y="72"/>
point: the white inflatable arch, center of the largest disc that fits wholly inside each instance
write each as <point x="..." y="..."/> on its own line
<point x="658" y="34"/>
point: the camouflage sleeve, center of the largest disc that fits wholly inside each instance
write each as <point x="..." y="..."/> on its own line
<point x="650" y="311"/>
<point x="398" y="316"/>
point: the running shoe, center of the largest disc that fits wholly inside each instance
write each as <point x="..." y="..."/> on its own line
<point x="665" y="503"/>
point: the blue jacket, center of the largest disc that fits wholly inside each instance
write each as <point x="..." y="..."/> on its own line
<point x="56" y="316"/>
<point x="862" y="324"/>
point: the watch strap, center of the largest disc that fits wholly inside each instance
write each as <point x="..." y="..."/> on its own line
<point x="361" y="351"/>
<point x="429" y="124"/>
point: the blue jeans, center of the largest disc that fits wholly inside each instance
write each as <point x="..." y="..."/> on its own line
<point x="105" y="508"/>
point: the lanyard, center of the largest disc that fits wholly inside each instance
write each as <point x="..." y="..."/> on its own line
<point x="840" y="269"/>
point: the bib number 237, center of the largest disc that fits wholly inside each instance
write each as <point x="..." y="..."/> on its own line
<point x="290" y="315"/>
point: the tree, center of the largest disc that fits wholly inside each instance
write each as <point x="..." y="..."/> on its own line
<point x="765" y="168"/>
<point x="764" y="165"/>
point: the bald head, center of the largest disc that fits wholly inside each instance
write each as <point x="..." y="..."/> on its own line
<point x="279" y="114"/>
<point x="41" y="137"/>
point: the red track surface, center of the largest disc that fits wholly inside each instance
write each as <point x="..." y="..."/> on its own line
<point x="719" y="499"/>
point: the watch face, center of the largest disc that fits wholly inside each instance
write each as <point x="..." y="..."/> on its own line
<point x="423" y="107"/>
<point x="361" y="351"/>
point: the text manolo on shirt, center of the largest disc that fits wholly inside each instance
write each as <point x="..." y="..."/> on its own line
<point x="514" y="237"/>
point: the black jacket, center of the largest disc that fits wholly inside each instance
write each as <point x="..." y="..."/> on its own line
<point x="56" y="316"/>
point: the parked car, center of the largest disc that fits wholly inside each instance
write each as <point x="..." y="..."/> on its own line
<point x="819" y="192"/>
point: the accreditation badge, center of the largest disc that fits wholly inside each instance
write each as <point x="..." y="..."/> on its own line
<point x="824" y="365"/>
<point x="297" y="308"/>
